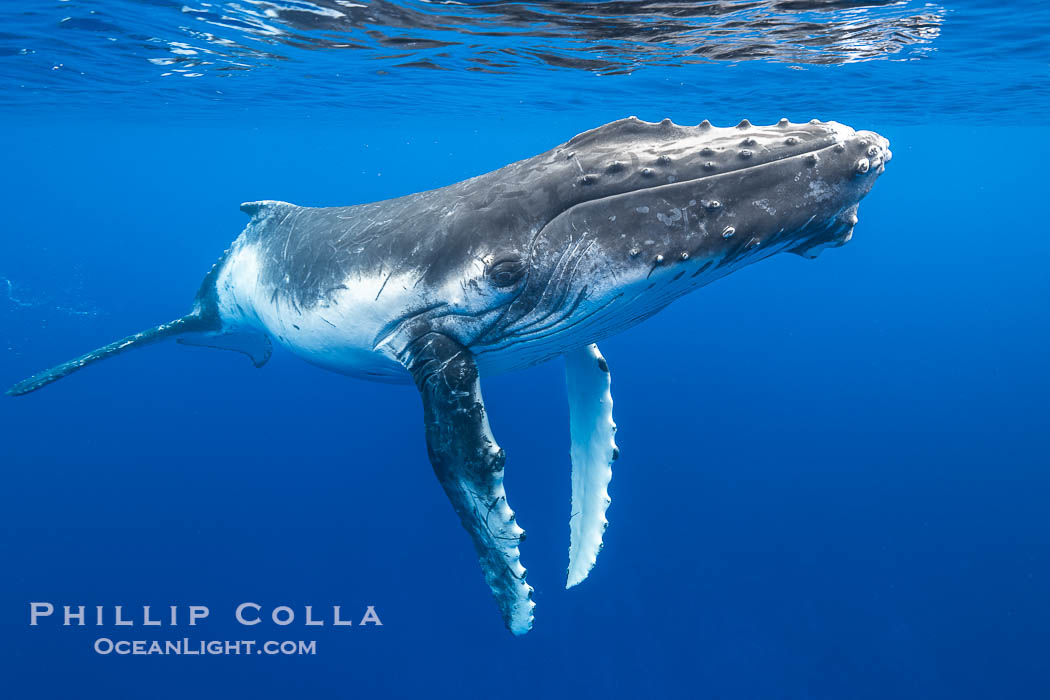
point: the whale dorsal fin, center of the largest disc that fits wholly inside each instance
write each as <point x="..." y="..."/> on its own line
<point x="263" y="208"/>
<point x="593" y="451"/>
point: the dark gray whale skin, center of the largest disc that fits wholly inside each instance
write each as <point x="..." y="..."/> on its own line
<point x="314" y="249"/>
<point x="540" y="258"/>
<point x="549" y="227"/>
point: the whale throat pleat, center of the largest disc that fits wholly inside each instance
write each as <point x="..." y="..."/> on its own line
<point x="593" y="451"/>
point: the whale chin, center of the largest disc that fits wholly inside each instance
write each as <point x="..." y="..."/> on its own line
<point x="811" y="251"/>
<point x="837" y="234"/>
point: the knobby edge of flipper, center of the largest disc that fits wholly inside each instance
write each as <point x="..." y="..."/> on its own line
<point x="593" y="450"/>
<point x="469" y="465"/>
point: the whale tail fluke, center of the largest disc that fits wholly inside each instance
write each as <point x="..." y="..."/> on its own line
<point x="190" y="323"/>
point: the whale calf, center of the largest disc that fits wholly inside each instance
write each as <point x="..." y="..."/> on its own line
<point x="541" y="258"/>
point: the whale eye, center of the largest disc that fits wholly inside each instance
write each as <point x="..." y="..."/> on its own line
<point x="506" y="272"/>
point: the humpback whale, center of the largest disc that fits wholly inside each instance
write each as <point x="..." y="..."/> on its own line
<point x="541" y="258"/>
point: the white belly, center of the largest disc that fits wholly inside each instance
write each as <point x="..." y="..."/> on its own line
<point x="338" y="334"/>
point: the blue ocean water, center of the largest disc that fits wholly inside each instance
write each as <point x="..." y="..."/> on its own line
<point x="833" y="479"/>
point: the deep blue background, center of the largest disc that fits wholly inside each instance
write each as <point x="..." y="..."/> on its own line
<point x="833" y="480"/>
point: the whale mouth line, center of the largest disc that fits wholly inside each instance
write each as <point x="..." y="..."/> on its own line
<point x="530" y="333"/>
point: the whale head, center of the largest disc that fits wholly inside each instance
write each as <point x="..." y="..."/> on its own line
<point x="652" y="211"/>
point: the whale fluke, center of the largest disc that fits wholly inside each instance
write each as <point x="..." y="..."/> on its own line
<point x="188" y="323"/>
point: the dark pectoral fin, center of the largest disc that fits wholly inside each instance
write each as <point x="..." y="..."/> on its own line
<point x="469" y="465"/>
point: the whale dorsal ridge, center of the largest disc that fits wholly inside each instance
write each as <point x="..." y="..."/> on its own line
<point x="263" y="208"/>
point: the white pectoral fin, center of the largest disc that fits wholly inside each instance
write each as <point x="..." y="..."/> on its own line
<point x="593" y="451"/>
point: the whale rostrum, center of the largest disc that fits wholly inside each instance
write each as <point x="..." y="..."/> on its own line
<point x="541" y="258"/>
